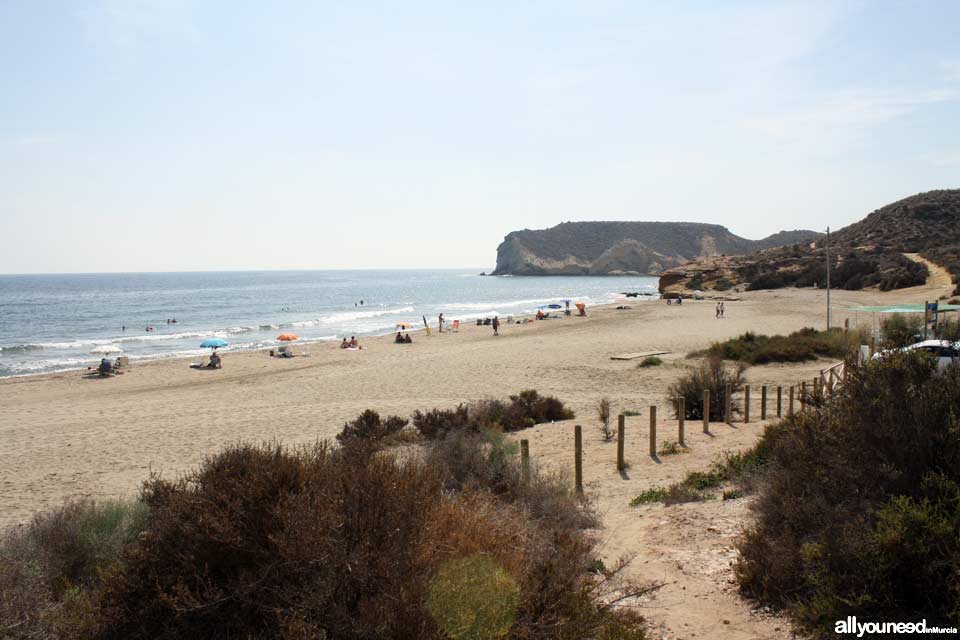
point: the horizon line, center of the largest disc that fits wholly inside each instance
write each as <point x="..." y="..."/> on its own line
<point x="107" y="273"/>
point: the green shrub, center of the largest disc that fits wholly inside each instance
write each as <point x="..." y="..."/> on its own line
<point x="767" y="281"/>
<point x="714" y="375"/>
<point x="650" y="361"/>
<point x="901" y="329"/>
<point x="650" y="496"/>
<point x="671" y="448"/>
<point x="800" y="346"/>
<point x="859" y="508"/>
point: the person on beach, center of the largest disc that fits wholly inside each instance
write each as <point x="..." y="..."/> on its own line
<point x="723" y="310"/>
<point x="440" y="323"/>
<point x="496" y="325"/>
<point x="353" y="342"/>
<point x="399" y="339"/>
<point x="407" y="339"/>
<point x="215" y="362"/>
<point x="345" y="344"/>
<point x="717" y="311"/>
<point x="540" y="315"/>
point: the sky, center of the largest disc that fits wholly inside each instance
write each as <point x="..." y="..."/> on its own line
<point x="168" y="135"/>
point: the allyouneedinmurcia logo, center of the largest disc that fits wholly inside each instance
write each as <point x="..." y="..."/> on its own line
<point x="851" y="626"/>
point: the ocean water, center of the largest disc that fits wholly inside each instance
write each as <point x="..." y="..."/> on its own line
<point x="51" y="322"/>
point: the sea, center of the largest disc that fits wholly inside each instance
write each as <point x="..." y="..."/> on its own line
<point x="52" y="322"/>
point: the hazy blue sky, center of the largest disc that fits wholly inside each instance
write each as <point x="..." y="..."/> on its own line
<point x="174" y="135"/>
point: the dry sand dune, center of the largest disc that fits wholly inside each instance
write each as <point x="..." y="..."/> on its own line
<point x="64" y="435"/>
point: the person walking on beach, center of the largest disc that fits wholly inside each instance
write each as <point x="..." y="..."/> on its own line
<point x="440" y="323"/>
<point x="723" y="310"/>
<point x="717" y="311"/>
<point x="496" y="325"/>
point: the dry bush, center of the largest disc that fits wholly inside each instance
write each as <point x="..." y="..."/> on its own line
<point x="603" y="413"/>
<point x="265" y="542"/>
<point x="369" y="426"/>
<point x="714" y="375"/>
<point x="487" y="460"/>
<point x="859" y="508"/>
<point x="437" y="423"/>
<point x="524" y="410"/>
<point x="48" y="566"/>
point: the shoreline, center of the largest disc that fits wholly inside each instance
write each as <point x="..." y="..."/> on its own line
<point x="143" y="361"/>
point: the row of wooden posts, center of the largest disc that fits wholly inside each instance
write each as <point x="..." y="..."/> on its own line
<point x="824" y="384"/>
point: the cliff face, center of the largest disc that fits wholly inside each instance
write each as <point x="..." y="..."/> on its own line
<point x="620" y="248"/>
<point x="868" y="253"/>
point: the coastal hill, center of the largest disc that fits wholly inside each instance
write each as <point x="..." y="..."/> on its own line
<point x="886" y="250"/>
<point x="623" y="248"/>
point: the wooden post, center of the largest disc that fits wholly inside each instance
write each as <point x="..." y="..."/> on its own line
<point x="727" y="403"/>
<point x="653" y="432"/>
<point x="763" y="402"/>
<point x="680" y="423"/>
<point x="803" y="395"/>
<point x="815" y="390"/>
<point x="578" y="460"/>
<point x="746" y="403"/>
<point x="779" y="401"/>
<point x="525" y="460"/>
<point x="621" y="420"/>
<point x="706" y="410"/>
<point x="846" y="325"/>
<point x="790" y="408"/>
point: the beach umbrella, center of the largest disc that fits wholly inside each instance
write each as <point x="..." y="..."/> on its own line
<point x="105" y="349"/>
<point x="288" y="337"/>
<point x="213" y="343"/>
<point x="404" y="325"/>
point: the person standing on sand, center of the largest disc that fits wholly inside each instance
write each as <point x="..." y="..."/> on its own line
<point x="723" y="310"/>
<point x="496" y="325"/>
<point x="440" y="323"/>
<point x="717" y="311"/>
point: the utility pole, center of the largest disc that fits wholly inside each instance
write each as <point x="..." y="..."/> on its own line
<point x="828" y="278"/>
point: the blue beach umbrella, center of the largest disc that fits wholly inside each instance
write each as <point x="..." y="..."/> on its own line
<point x="213" y="343"/>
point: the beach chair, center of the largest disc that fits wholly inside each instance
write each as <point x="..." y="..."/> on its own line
<point x="456" y="326"/>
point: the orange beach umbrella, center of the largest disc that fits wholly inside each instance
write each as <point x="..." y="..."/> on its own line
<point x="288" y="337"/>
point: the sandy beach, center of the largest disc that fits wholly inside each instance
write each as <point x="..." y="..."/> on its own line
<point x="67" y="435"/>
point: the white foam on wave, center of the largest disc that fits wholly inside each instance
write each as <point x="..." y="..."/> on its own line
<point x="348" y="316"/>
<point x="468" y="306"/>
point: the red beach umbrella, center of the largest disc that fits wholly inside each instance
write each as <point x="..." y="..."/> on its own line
<point x="288" y="337"/>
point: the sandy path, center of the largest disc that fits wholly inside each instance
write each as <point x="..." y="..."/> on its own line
<point x="63" y="435"/>
<point x="938" y="278"/>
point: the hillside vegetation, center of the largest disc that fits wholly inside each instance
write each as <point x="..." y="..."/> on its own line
<point x="868" y="253"/>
